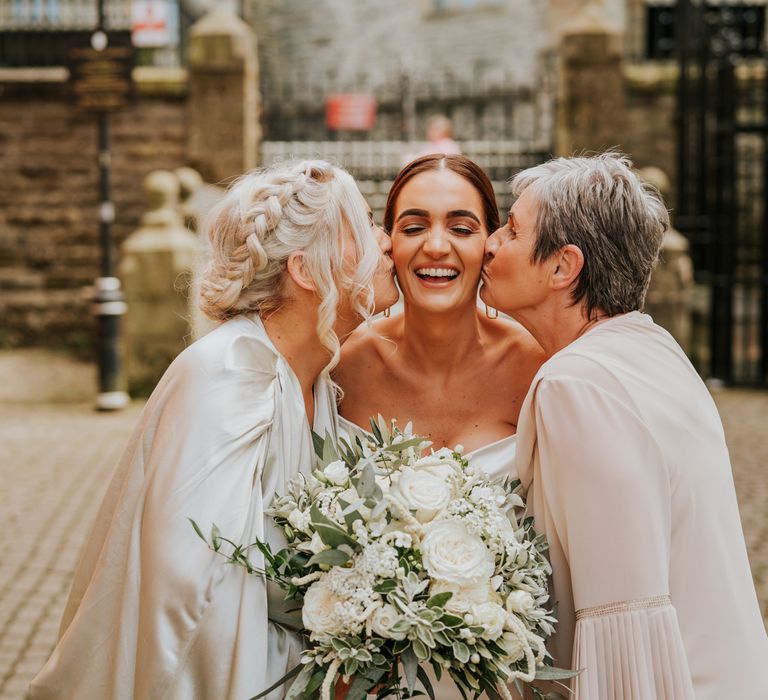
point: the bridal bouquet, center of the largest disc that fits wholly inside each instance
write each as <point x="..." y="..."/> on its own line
<point x="400" y="560"/>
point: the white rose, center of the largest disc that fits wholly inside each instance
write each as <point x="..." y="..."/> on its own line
<point x="451" y="553"/>
<point x="491" y="617"/>
<point x="422" y="491"/>
<point x="520" y="602"/>
<point x="512" y="646"/>
<point x="318" y="612"/>
<point x="337" y="473"/>
<point x="464" y="597"/>
<point x="381" y="621"/>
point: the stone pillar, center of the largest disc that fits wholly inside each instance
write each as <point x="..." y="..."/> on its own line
<point x="670" y="294"/>
<point x="590" y="82"/>
<point x="224" y="132"/>
<point x="157" y="263"/>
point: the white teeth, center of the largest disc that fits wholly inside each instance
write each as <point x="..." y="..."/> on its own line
<point x="436" y="272"/>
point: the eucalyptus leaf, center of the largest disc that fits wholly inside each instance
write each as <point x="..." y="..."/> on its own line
<point x="461" y="652"/>
<point x="366" y="482"/>
<point x="551" y="673"/>
<point x="421" y="674"/>
<point x="329" y="450"/>
<point x="300" y="684"/>
<point x="451" y="620"/>
<point x="410" y="665"/>
<point x="317" y="443"/>
<point x="198" y="530"/>
<point x="331" y="557"/>
<point x="420" y="649"/>
<point x="334" y="536"/>
<point x="315" y="682"/>
<point x="439" y="599"/>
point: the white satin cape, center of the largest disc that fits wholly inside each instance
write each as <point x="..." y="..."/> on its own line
<point x="153" y="613"/>
<point x="630" y="480"/>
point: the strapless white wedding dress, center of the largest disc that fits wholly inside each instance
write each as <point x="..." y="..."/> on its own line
<point x="497" y="459"/>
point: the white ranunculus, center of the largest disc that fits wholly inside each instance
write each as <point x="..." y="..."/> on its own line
<point x="337" y="473"/>
<point x="381" y="621"/>
<point x="422" y="491"/>
<point x="491" y="617"/>
<point x="512" y="645"/>
<point x="318" y="612"/>
<point x="520" y="602"/>
<point x="451" y="553"/>
<point x="464" y="597"/>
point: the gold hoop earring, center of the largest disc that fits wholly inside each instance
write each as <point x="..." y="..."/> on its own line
<point x="387" y="312"/>
<point x="488" y="310"/>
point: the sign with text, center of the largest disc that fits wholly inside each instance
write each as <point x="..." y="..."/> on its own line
<point x="100" y="78"/>
<point x="151" y="23"/>
<point x="350" y="112"/>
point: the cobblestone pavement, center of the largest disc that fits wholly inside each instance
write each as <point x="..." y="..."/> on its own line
<point x="55" y="460"/>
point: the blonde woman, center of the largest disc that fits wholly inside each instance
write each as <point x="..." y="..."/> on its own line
<point x="153" y="613"/>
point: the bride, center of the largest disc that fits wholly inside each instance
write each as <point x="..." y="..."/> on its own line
<point x="459" y="373"/>
<point x="153" y="613"/>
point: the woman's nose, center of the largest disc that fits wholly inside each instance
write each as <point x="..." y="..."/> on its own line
<point x="491" y="246"/>
<point x="384" y="241"/>
<point x="437" y="243"/>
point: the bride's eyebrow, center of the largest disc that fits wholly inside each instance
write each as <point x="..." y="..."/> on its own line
<point x="463" y="212"/>
<point x="413" y="212"/>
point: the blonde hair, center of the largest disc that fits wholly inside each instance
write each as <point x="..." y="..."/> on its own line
<point x="265" y="216"/>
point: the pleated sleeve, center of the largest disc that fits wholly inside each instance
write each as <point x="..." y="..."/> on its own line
<point x="606" y="490"/>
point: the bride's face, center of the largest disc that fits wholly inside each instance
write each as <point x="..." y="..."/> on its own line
<point x="438" y="240"/>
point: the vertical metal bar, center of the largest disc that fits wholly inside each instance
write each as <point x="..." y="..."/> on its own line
<point x="763" y="243"/>
<point x="681" y="27"/>
<point x="108" y="303"/>
<point x="724" y="205"/>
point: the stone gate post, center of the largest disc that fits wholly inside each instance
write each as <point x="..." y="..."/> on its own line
<point x="590" y="82"/>
<point x="156" y="266"/>
<point x="224" y="132"/>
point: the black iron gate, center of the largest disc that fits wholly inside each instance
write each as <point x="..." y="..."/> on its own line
<point x="723" y="177"/>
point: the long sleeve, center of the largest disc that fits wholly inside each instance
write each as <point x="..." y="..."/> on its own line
<point x="605" y="487"/>
<point x="153" y="613"/>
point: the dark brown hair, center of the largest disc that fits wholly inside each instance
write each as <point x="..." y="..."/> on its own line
<point x="460" y="165"/>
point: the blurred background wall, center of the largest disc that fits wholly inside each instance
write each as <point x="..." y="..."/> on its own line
<point x="236" y="84"/>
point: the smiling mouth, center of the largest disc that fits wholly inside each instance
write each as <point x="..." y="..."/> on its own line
<point x="437" y="274"/>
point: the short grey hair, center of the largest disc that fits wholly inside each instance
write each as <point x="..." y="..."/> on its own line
<point x="599" y="204"/>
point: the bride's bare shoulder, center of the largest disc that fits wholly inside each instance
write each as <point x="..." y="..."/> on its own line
<point x="520" y="350"/>
<point x="368" y="347"/>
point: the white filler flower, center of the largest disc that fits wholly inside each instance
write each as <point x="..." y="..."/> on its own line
<point x="451" y="553"/>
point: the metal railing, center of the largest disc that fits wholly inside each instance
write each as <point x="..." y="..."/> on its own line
<point x="381" y="160"/>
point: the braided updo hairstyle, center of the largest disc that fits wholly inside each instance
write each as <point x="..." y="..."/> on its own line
<point x="309" y="206"/>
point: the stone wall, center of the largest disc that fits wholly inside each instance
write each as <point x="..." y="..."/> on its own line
<point x="49" y="232"/>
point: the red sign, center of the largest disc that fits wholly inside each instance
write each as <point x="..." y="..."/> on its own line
<point x="350" y="112"/>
